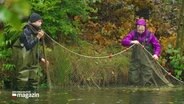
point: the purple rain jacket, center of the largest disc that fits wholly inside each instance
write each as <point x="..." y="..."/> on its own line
<point x="151" y="40"/>
<point x="141" y="38"/>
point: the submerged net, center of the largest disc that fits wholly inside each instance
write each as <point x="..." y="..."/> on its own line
<point x="79" y="67"/>
<point x="160" y="75"/>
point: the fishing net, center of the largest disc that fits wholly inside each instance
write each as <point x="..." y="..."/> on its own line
<point x="88" y="66"/>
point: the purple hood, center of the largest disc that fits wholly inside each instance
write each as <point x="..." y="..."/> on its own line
<point x="141" y="22"/>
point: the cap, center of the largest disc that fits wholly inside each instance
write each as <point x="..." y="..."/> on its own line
<point x="34" y="17"/>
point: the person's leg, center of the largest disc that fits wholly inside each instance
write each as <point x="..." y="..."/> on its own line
<point x="34" y="77"/>
<point x="134" y="70"/>
<point x="146" y="75"/>
<point x="22" y="79"/>
<point x="134" y="74"/>
<point x="21" y="73"/>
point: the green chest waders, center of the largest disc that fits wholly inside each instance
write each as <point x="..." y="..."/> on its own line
<point x="28" y="71"/>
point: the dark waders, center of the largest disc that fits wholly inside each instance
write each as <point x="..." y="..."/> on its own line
<point x="140" y="73"/>
<point x="144" y="70"/>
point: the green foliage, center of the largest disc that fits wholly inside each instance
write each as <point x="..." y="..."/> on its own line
<point x="67" y="18"/>
<point x="6" y="41"/>
<point x="13" y="11"/>
<point x="62" y="17"/>
<point x="5" y="54"/>
<point x="11" y="14"/>
<point x="8" y="67"/>
<point x="176" y="60"/>
<point x="61" y="67"/>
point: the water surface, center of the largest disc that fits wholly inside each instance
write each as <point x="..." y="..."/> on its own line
<point x="116" y="95"/>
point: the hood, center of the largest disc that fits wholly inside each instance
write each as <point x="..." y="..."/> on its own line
<point x="141" y="22"/>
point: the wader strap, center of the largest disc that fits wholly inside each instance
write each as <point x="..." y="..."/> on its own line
<point x="17" y="46"/>
<point x="145" y="40"/>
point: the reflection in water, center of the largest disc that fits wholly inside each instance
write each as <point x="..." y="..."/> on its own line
<point x="131" y="95"/>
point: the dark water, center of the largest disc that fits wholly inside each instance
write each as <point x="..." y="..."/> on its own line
<point x="120" y="95"/>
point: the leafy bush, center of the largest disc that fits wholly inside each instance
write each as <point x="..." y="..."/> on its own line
<point x="62" y="17"/>
<point x="176" y="61"/>
<point x="12" y="13"/>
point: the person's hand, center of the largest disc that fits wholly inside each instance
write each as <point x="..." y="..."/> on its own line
<point x="135" y="42"/>
<point x="44" y="61"/>
<point x="40" y="34"/>
<point x="155" y="57"/>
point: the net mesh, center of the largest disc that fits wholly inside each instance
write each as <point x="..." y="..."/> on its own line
<point x="79" y="67"/>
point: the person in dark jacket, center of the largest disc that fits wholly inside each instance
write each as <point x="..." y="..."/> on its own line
<point x="27" y="54"/>
<point x="140" y="72"/>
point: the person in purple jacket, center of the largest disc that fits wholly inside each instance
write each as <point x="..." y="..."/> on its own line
<point x="140" y="72"/>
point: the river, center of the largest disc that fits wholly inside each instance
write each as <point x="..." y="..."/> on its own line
<point x="110" y="95"/>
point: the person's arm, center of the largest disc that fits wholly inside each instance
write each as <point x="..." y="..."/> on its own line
<point x="127" y="40"/>
<point x="42" y="59"/>
<point x="156" y="47"/>
<point x="28" y="40"/>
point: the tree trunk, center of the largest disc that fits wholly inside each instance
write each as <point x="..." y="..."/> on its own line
<point x="180" y="34"/>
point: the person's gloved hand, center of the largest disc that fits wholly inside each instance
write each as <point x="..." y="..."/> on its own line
<point x="134" y="42"/>
<point x="155" y="57"/>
